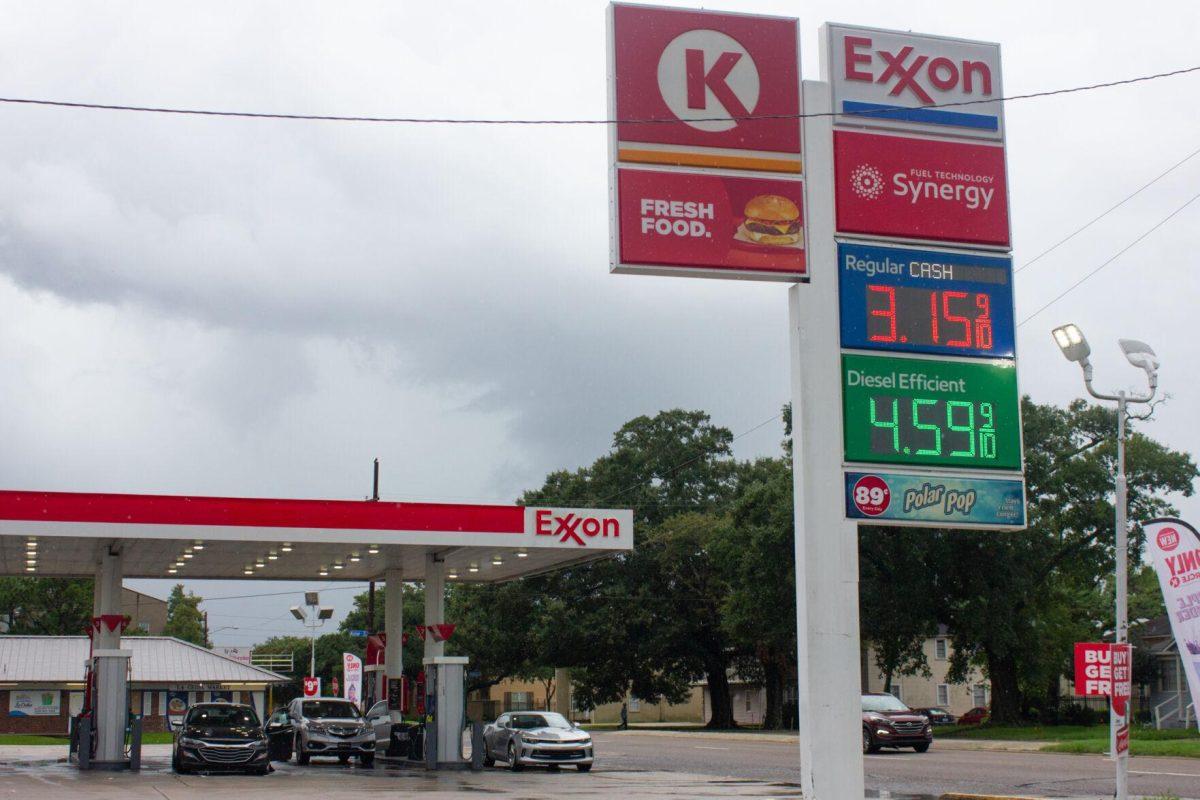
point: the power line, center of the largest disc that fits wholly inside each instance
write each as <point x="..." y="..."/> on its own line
<point x="1111" y="259"/>
<point x="451" y="121"/>
<point x="1104" y="214"/>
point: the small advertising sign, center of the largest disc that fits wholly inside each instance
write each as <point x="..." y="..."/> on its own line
<point x="913" y="188"/>
<point x="683" y="83"/>
<point x="926" y="301"/>
<point x="312" y="687"/>
<point x="1122" y="677"/>
<point x="238" y="654"/>
<point x="936" y="413"/>
<point x="352" y="669"/>
<point x="909" y="81"/>
<point x="177" y="703"/>
<point x="1093" y="669"/>
<point x="710" y="225"/>
<point x="888" y="498"/>
<point x="36" y="703"/>
<point x="1175" y="547"/>
<point x="1123" y="741"/>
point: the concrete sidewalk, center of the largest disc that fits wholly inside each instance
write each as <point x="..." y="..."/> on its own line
<point x="792" y="739"/>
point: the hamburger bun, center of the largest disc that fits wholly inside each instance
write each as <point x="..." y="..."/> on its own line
<point x="772" y="220"/>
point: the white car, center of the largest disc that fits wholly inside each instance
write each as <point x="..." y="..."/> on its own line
<point x="536" y="738"/>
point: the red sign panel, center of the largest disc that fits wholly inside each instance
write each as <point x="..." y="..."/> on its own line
<point x="702" y="73"/>
<point x="1123" y="740"/>
<point x="702" y="224"/>
<point x="920" y="188"/>
<point x="1093" y="668"/>
<point x="1122" y="676"/>
<point x="312" y="687"/>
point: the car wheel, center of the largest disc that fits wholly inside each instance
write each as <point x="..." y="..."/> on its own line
<point x="175" y="765"/>
<point x="366" y="760"/>
<point x="301" y="753"/>
<point x="514" y="761"/>
<point x="584" y="767"/>
<point x="488" y="761"/>
<point x="921" y="748"/>
<point x="869" y="745"/>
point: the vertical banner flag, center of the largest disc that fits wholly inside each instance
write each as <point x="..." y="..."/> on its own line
<point x="1175" y="546"/>
<point x="352" y="674"/>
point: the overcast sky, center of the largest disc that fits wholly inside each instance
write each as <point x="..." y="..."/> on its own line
<point x="259" y="308"/>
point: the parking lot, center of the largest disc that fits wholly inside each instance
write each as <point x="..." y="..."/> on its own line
<point x="43" y="772"/>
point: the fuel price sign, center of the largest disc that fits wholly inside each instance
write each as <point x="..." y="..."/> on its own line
<point x="938" y="413"/>
<point x="925" y="301"/>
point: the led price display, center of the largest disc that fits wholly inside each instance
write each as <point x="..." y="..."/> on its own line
<point x="944" y="413"/>
<point x="928" y="301"/>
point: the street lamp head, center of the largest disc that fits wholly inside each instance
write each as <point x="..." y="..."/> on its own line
<point x="298" y="613"/>
<point x="325" y="613"/>
<point x="1072" y="343"/>
<point x="1141" y="355"/>
<point x="311" y="599"/>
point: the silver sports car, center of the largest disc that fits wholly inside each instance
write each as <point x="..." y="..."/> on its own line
<point x="541" y="738"/>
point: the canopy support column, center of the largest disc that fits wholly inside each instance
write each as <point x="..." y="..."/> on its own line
<point x="393" y="624"/>
<point x="109" y="665"/>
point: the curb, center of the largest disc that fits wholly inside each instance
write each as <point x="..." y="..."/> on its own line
<point x="961" y="796"/>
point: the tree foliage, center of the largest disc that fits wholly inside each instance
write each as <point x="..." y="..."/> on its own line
<point x="184" y="619"/>
<point x="46" y="606"/>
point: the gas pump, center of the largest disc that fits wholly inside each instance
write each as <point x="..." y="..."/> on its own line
<point x="445" y="711"/>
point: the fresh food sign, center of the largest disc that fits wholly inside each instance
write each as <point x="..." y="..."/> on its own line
<point x="907" y="81"/>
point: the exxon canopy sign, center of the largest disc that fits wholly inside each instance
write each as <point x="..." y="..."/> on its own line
<point x="906" y="81"/>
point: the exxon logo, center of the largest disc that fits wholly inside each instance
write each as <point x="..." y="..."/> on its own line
<point x="910" y="72"/>
<point x="571" y="528"/>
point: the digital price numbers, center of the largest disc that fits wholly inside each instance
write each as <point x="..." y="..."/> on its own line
<point x="944" y="413"/>
<point x="929" y="301"/>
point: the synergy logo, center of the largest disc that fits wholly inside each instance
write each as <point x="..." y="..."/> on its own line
<point x="867" y="182"/>
<point x="708" y="80"/>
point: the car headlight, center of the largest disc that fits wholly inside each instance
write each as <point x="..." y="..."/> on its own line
<point x="883" y="731"/>
<point x="189" y="742"/>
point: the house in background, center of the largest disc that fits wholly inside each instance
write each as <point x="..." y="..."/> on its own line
<point x="1170" y="704"/>
<point x="147" y="615"/>
<point x="918" y="691"/>
<point x="41" y="681"/>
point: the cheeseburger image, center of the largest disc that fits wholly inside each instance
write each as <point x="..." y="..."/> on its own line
<point x="771" y="220"/>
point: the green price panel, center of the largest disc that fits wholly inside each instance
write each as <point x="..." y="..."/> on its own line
<point x="940" y="413"/>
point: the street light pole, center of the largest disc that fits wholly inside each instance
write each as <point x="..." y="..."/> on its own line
<point x="313" y="620"/>
<point x="1075" y="347"/>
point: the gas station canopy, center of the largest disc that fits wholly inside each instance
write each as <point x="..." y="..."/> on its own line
<point x="64" y="534"/>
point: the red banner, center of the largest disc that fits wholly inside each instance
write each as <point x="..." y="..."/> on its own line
<point x="1122" y="677"/>
<point x="1123" y="740"/>
<point x="702" y="73"/>
<point x="1093" y="668"/>
<point x="710" y="223"/>
<point x="920" y="188"/>
<point x="312" y="687"/>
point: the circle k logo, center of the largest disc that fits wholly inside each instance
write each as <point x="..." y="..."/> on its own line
<point x="867" y="182"/>
<point x="708" y="80"/>
<point x="1168" y="539"/>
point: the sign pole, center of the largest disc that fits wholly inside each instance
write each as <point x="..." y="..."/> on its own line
<point x="826" y="545"/>
<point x="1116" y="722"/>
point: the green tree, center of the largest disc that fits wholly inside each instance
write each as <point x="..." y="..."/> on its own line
<point x="755" y="551"/>
<point x="46" y="606"/>
<point x="1014" y="603"/>
<point x="184" y="620"/>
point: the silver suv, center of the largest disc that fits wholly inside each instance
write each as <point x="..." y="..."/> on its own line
<point x="327" y="726"/>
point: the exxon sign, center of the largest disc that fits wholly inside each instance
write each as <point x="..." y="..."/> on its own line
<point x="906" y="81"/>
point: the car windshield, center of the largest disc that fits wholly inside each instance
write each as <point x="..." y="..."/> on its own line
<point x="939" y="711"/>
<point x="882" y="702"/>
<point x="329" y="709"/>
<point x="222" y="716"/>
<point x="525" y="722"/>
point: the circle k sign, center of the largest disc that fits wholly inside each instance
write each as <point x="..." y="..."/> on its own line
<point x="687" y="79"/>
<point x="708" y="80"/>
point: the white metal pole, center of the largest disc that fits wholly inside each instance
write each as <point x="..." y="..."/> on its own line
<point x="1122" y="626"/>
<point x="826" y="545"/>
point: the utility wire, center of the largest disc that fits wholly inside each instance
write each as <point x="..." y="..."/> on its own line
<point x="1111" y="259"/>
<point x="1104" y="214"/>
<point x="451" y="121"/>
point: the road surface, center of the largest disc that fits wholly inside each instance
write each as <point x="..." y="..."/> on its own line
<point x="939" y="770"/>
